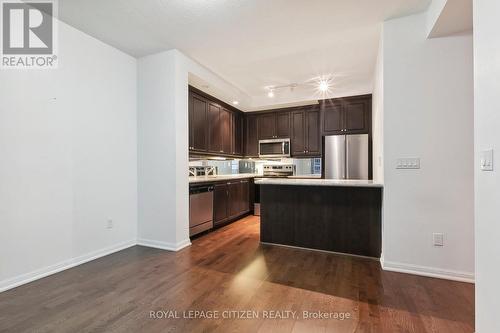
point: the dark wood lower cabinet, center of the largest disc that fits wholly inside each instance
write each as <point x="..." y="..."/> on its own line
<point x="337" y="219"/>
<point x="231" y="200"/>
<point x="220" y="202"/>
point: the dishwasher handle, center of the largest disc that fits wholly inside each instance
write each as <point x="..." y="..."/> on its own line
<point x="201" y="189"/>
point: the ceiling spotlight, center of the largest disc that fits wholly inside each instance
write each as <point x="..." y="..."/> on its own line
<point x="236" y="102"/>
<point x="323" y="86"/>
<point x="270" y="94"/>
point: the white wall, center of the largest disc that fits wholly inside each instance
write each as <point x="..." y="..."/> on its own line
<point x="487" y="136"/>
<point x="428" y="113"/>
<point x="378" y="115"/>
<point x="68" y="159"/>
<point x="162" y="153"/>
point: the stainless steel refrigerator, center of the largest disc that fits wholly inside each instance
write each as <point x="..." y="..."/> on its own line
<point x="346" y="156"/>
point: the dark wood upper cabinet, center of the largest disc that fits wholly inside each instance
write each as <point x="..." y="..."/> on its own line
<point x="226" y="131"/>
<point x="356" y="116"/>
<point x="283" y="124"/>
<point x="267" y="126"/>
<point x="274" y="125"/>
<point x="306" y="134"/>
<point x="251" y="138"/>
<point x="333" y="121"/>
<point x="298" y="140"/>
<point x="348" y="115"/>
<point x="198" y="130"/>
<point x="217" y="128"/>
<point x="237" y="129"/>
<point x="214" y="129"/>
<point x="313" y="136"/>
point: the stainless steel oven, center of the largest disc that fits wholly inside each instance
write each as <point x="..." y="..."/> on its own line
<point x="274" y="148"/>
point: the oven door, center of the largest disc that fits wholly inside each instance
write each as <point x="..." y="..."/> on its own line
<point x="274" y="148"/>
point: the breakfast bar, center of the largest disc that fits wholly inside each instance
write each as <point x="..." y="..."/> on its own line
<point x="343" y="216"/>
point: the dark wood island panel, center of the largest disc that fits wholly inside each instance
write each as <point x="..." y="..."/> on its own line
<point x="330" y="218"/>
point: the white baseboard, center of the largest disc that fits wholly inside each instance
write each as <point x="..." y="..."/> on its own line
<point x="164" y="245"/>
<point x="56" y="268"/>
<point x="427" y="271"/>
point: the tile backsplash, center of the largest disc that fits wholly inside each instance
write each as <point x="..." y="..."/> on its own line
<point x="304" y="166"/>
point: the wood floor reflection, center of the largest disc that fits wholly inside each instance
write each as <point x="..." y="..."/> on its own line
<point x="229" y="270"/>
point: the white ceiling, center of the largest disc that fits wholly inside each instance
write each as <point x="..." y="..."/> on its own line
<point x="252" y="44"/>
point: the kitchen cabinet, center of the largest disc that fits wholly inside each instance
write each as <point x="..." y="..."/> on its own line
<point x="198" y="130"/>
<point x="237" y="133"/>
<point x="231" y="200"/>
<point x="266" y="126"/>
<point x="349" y="115"/>
<point x="283" y="125"/>
<point x="226" y="135"/>
<point x="274" y="125"/>
<point x="219" y="129"/>
<point x="306" y="136"/>
<point x="214" y="127"/>
<point x="251" y="138"/>
<point x="221" y="196"/>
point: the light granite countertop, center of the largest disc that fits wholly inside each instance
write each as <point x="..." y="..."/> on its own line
<point x="206" y="179"/>
<point x="318" y="182"/>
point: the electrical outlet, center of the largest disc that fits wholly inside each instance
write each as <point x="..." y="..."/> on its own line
<point x="109" y="224"/>
<point x="438" y="239"/>
<point x="408" y="163"/>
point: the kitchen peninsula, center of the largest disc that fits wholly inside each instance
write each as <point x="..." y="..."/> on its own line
<point x="342" y="216"/>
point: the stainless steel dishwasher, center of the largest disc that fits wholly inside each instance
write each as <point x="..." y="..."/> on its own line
<point x="201" y="208"/>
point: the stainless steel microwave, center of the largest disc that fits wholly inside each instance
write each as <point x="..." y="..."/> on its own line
<point x="274" y="148"/>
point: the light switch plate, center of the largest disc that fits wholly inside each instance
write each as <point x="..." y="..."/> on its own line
<point x="486" y="160"/>
<point x="408" y="163"/>
<point x="438" y="239"/>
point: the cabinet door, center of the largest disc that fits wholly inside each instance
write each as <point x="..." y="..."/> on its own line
<point x="298" y="133"/>
<point x="234" y="189"/>
<point x="237" y="128"/>
<point x="283" y="125"/>
<point x="245" y="196"/>
<point x="226" y="133"/>
<point x="356" y="114"/>
<point x="214" y="129"/>
<point x="190" y="122"/>
<point x="313" y="135"/>
<point x="267" y="126"/>
<point x="220" y="203"/>
<point x="252" y="141"/>
<point x="198" y="123"/>
<point x="333" y="120"/>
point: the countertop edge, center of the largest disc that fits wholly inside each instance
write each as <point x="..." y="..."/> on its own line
<point x="316" y="182"/>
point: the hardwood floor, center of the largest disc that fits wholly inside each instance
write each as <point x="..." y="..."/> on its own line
<point x="228" y="270"/>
